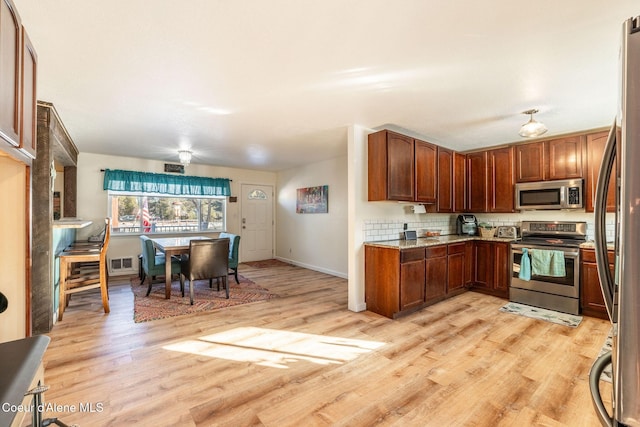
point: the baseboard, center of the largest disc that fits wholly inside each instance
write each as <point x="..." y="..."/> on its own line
<point x="313" y="267"/>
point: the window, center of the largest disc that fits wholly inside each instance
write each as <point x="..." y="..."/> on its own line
<point x="257" y="195"/>
<point x="138" y="213"/>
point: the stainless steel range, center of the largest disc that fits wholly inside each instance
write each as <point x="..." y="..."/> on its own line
<point x="546" y="265"/>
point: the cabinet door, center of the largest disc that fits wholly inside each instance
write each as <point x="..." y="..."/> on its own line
<point x="412" y="279"/>
<point x="469" y="262"/>
<point x="445" y="180"/>
<point x="400" y="166"/>
<point x="455" y="267"/>
<point x="595" y="150"/>
<point x="390" y="167"/>
<point x="565" y="157"/>
<point x="501" y="180"/>
<point x="477" y="182"/>
<point x="29" y="101"/>
<point x="483" y="254"/>
<point x="459" y="182"/>
<point x="10" y="47"/>
<point x="502" y="268"/>
<point x="530" y="160"/>
<point x="426" y="167"/>
<point x="436" y="273"/>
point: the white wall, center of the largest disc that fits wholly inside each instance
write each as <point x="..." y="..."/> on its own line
<point x="92" y="201"/>
<point x="315" y="241"/>
<point x="13" y="226"/>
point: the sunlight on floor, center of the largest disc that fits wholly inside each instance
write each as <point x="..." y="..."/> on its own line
<point x="274" y="348"/>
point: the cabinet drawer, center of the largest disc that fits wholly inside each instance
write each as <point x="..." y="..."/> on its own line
<point x="436" y="251"/>
<point x="456" y="248"/>
<point x="589" y="255"/>
<point x="408" y="255"/>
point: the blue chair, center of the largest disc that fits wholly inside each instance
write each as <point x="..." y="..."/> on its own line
<point x="154" y="264"/>
<point x="234" y="244"/>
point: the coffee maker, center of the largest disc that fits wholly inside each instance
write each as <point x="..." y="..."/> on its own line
<point x="466" y="225"/>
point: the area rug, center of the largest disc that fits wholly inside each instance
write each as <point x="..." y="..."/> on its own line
<point x="267" y="263"/>
<point x="606" y="374"/>
<point x="155" y="306"/>
<point x="542" y="314"/>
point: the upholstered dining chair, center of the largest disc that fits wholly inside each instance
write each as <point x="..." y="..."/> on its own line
<point x="84" y="270"/>
<point x="234" y="244"/>
<point x="207" y="259"/>
<point x="153" y="264"/>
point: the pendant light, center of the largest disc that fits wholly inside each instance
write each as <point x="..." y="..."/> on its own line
<point x="532" y="128"/>
<point x="185" y="157"/>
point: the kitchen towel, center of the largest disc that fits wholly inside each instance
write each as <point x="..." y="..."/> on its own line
<point x="547" y="263"/>
<point x="525" y="266"/>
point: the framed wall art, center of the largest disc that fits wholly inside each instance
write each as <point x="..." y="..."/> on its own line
<point x="313" y="199"/>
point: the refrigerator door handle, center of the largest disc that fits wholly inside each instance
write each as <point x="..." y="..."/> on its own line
<point x="600" y="211"/>
<point x="594" y="385"/>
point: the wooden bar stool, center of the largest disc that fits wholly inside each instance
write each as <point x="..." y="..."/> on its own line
<point x="84" y="270"/>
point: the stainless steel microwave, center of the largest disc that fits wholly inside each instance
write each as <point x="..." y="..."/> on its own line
<point x="549" y="195"/>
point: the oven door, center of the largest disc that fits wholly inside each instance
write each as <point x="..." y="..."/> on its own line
<point x="568" y="285"/>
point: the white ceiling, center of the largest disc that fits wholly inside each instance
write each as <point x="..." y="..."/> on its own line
<point x="273" y="84"/>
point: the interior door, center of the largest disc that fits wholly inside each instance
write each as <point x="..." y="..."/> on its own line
<point x="257" y="222"/>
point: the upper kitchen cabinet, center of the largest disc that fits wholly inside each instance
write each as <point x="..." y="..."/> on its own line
<point x="426" y="169"/>
<point x="459" y="182"/>
<point x="477" y="181"/>
<point x="550" y="160"/>
<point x="445" y="180"/>
<point x="594" y="151"/>
<point x="10" y="48"/>
<point x="29" y="102"/>
<point x="391" y="167"/>
<point x="500" y="193"/>
<point x="530" y="160"/>
<point x="565" y="157"/>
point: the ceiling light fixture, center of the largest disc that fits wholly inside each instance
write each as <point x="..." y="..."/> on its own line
<point x="532" y="128"/>
<point x="185" y="157"/>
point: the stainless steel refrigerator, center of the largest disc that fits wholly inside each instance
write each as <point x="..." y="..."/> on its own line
<point x="621" y="289"/>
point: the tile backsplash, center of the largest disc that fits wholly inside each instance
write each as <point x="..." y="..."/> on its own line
<point x="391" y="229"/>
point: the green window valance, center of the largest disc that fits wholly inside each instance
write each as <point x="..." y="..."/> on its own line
<point x="159" y="183"/>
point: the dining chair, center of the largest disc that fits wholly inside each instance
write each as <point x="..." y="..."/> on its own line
<point x="84" y="270"/>
<point x="234" y="244"/>
<point x="153" y="263"/>
<point x="207" y="259"/>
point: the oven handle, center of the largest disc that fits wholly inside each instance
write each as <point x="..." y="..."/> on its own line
<point x="567" y="252"/>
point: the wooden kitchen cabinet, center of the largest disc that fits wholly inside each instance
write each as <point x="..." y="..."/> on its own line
<point x="469" y="263"/>
<point x="530" y="161"/>
<point x="565" y="157"/>
<point x="595" y="145"/>
<point x="394" y="280"/>
<point x="426" y="172"/>
<point x="412" y="278"/>
<point x="591" y="299"/>
<point x="492" y="267"/>
<point x="391" y="162"/>
<point x="446" y="177"/>
<point x="477" y="182"/>
<point x="28" y="79"/>
<point x="456" y="279"/>
<point x="10" y="93"/>
<point x="436" y="273"/>
<point x="459" y="182"/>
<point x="550" y="160"/>
<point x="500" y="190"/>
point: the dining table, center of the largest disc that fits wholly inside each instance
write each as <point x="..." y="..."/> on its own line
<point x="171" y="246"/>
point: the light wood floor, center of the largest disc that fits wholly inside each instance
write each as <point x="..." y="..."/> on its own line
<point x="304" y="359"/>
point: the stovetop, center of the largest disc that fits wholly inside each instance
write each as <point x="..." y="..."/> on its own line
<point x="554" y="233"/>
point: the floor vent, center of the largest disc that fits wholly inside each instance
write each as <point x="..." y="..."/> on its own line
<point x="121" y="265"/>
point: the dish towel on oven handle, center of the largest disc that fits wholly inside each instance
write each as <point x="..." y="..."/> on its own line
<point x="547" y="263"/>
<point x="525" y="266"/>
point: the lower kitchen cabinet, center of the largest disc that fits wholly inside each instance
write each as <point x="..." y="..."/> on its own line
<point x="591" y="299"/>
<point x="436" y="273"/>
<point x="491" y="268"/>
<point x="401" y="281"/>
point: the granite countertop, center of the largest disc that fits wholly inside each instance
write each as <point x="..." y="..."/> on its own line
<point x="432" y="241"/>
<point x="71" y="223"/>
<point x="592" y="245"/>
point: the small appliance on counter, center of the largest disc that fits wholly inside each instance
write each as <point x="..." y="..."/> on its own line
<point x="467" y="225"/>
<point x="507" y="232"/>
